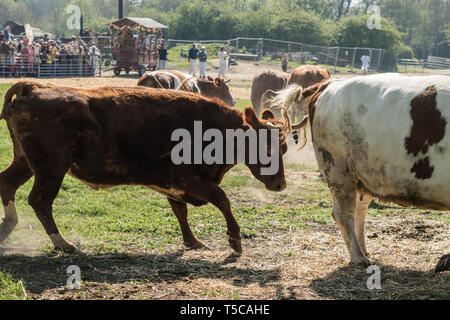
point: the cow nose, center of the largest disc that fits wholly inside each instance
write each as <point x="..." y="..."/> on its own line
<point x="233" y="103"/>
<point x="280" y="187"/>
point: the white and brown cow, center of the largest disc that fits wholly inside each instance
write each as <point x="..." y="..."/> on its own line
<point x="172" y="79"/>
<point x="384" y="136"/>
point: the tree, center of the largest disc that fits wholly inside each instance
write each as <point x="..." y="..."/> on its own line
<point x="352" y="32"/>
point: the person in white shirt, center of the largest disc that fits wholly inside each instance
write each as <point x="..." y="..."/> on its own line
<point x="94" y="55"/>
<point x="365" y="63"/>
<point x="223" y="62"/>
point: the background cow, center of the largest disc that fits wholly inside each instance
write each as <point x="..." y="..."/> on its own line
<point x="266" y="81"/>
<point x="385" y="136"/>
<point x="112" y="136"/>
<point x="172" y="79"/>
<point x="308" y="75"/>
<point x="304" y="76"/>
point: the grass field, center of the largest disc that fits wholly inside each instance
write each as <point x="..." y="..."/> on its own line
<point x="131" y="245"/>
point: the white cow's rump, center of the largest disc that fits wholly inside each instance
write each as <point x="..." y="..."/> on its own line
<point x="384" y="136"/>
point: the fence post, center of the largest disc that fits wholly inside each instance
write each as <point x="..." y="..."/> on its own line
<point x="262" y="48"/>
<point x="354" y="57"/>
<point x="237" y="45"/>
<point x="337" y="59"/>
<point x="379" y="60"/>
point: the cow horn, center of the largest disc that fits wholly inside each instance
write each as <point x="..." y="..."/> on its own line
<point x="300" y="125"/>
<point x="272" y="126"/>
<point x="227" y="81"/>
<point x="181" y="85"/>
<point x="298" y="97"/>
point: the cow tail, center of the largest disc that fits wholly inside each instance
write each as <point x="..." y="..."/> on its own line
<point x="15" y="90"/>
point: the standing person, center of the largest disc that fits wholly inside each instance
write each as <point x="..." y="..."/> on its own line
<point x="30" y="61"/>
<point x="162" y="53"/>
<point x="223" y="62"/>
<point x="94" y="56"/>
<point x="8" y="34"/>
<point x="284" y="63"/>
<point x="365" y="63"/>
<point x="3" y="51"/>
<point x="202" y="57"/>
<point x="228" y="50"/>
<point x="192" y="58"/>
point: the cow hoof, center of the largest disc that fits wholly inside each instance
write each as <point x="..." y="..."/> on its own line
<point x="363" y="262"/>
<point x="67" y="248"/>
<point x="6" y="227"/>
<point x="196" y="246"/>
<point x="236" y="245"/>
<point x="61" y="244"/>
<point x="443" y="264"/>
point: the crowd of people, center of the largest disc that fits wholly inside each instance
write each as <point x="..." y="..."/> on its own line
<point x="200" y="57"/>
<point x="44" y="57"/>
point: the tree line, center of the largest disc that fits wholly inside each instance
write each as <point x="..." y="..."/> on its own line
<point x="409" y="28"/>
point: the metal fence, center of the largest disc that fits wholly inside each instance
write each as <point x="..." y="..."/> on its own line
<point x="241" y="48"/>
<point x="63" y="66"/>
<point x="433" y="62"/>
<point x="271" y="50"/>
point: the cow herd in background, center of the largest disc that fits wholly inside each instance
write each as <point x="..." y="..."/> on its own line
<point x="382" y="136"/>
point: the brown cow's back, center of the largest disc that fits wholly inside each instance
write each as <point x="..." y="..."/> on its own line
<point x="264" y="81"/>
<point x="308" y="75"/>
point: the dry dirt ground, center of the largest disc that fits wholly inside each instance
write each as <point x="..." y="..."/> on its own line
<point x="304" y="262"/>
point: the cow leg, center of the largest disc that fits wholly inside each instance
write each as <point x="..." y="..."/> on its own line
<point x="212" y="193"/>
<point x="343" y="189"/>
<point x="180" y="210"/>
<point x="10" y="180"/>
<point x="443" y="264"/>
<point x="362" y="206"/>
<point x="45" y="189"/>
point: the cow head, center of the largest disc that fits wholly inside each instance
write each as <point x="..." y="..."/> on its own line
<point x="217" y="88"/>
<point x="275" y="180"/>
<point x="300" y="103"/>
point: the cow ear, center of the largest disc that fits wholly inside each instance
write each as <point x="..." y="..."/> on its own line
<point x="218" y="82"/>
<point x="250" y="117"/>
<point x="267" y="114"/>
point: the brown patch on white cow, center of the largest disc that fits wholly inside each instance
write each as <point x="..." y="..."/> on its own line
<point x="423" y="169"/>
<point x="428" y="129"/>
<point x="428" y="124"/>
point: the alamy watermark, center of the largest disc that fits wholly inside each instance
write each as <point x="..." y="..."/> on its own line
<point x="374" y="21"/>
<point x="73" y="21"/>
<point x="374" y="281"/>
<point x="74" y="279"/>
<point x="190" y="149"/>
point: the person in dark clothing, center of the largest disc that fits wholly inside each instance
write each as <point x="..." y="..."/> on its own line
<point x="162" y="53"/>
<point x="202" y="57"/>
<point x="192" y="58"/>
<point x="284" y="63"/>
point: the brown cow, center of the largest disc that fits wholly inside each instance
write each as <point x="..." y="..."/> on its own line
<point x="304" y="76"/>
<point x="267" y="81"/>
<point x="172" y="79"/>
<point x="111" y="136"/>
<point x="308" y="75"/>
